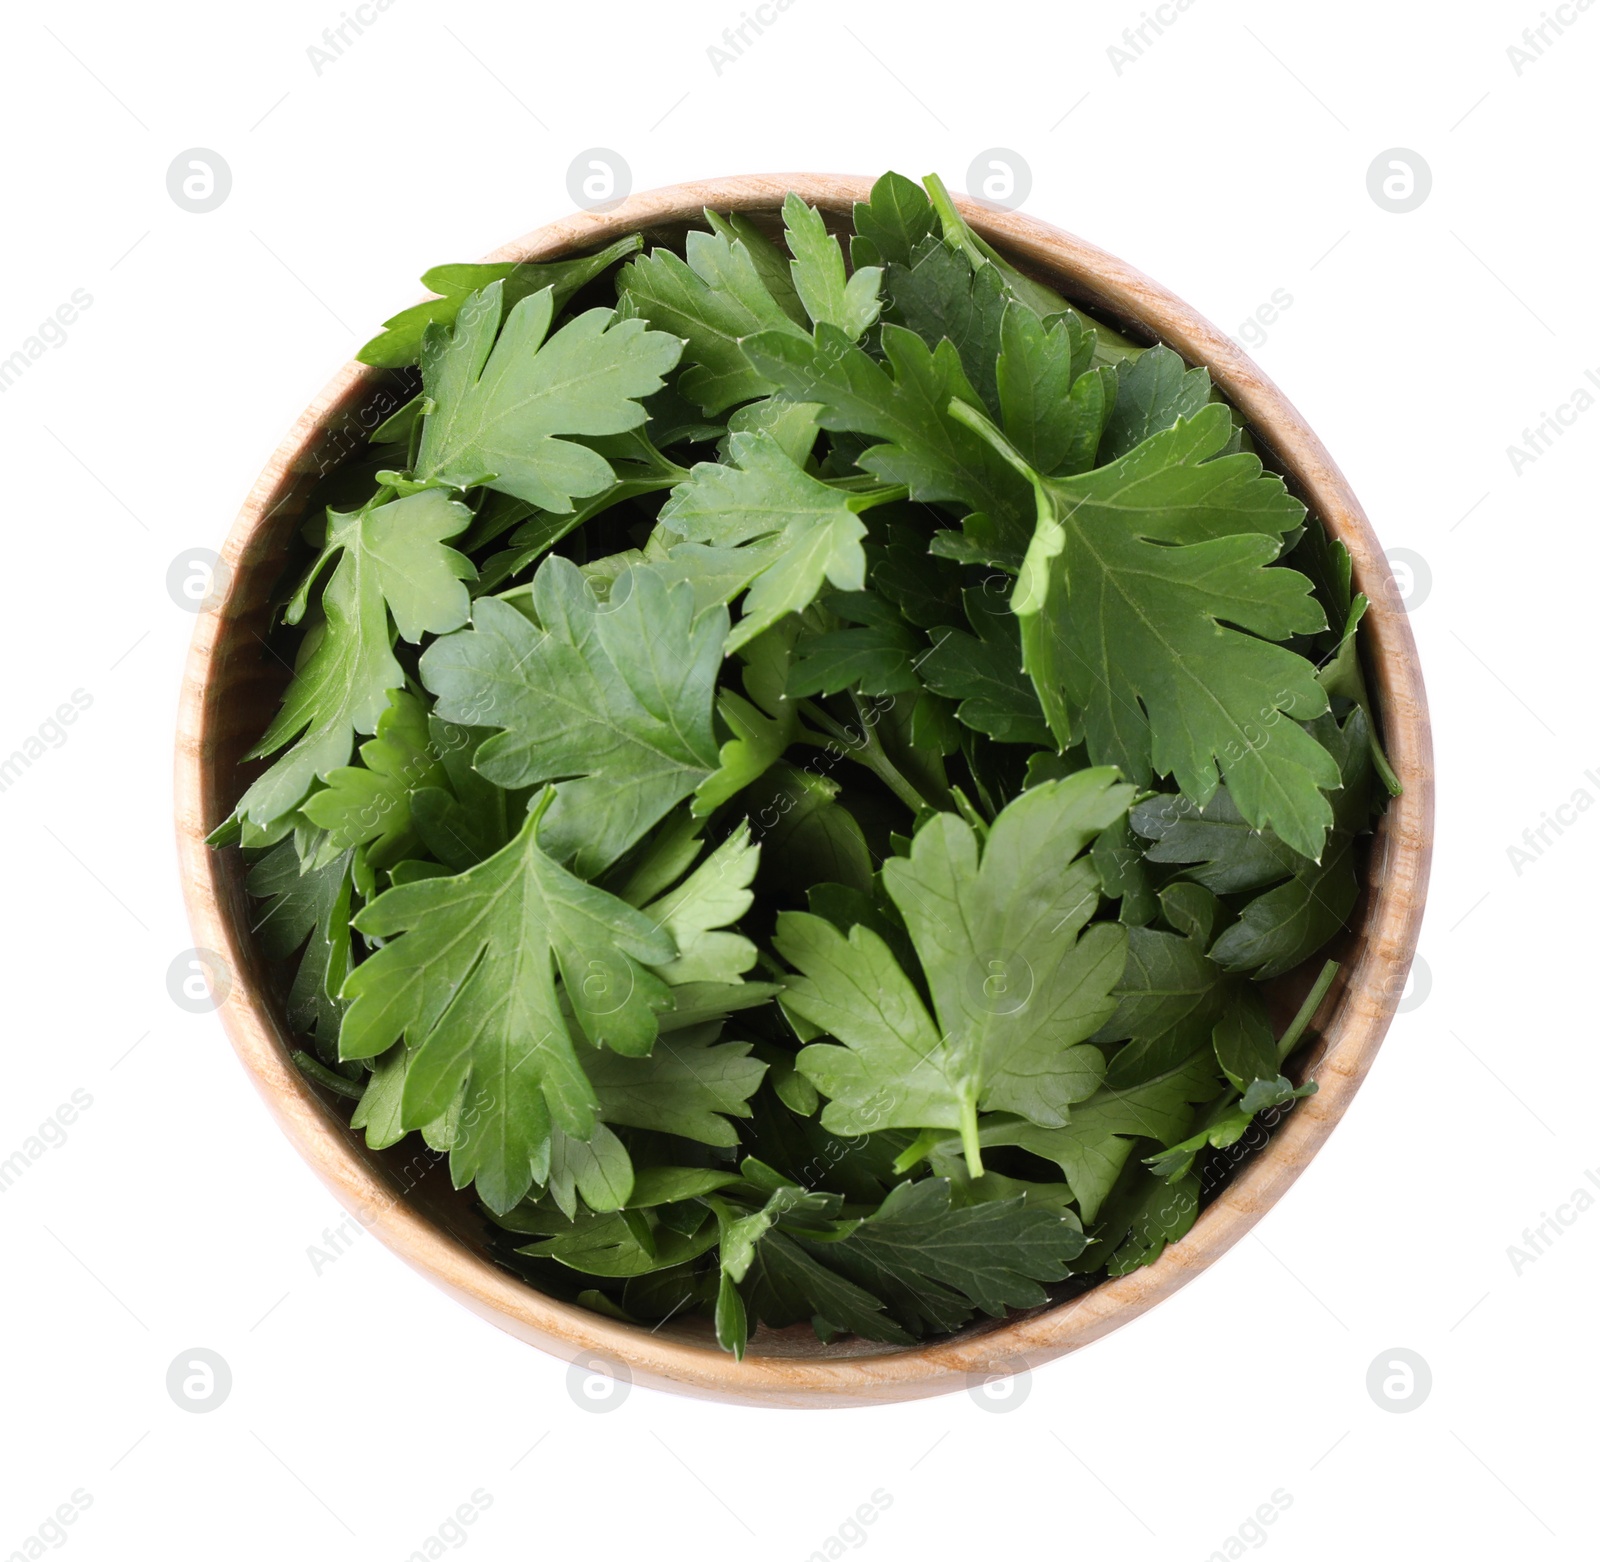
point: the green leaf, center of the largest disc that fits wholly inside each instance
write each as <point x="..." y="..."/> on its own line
<point x="499" y="414"/>
<point x="1246" y="1048"/>
<point x="771" y="263"/>
<point x="392" y="564"/>
<point x="611" y="700"/>
<point x="712" y="898"/>
<point x="1215" y="843"/>
<point x="1052" y="406"/>
<point x="819" y="272"/>
<point x="760" y="728"/>
<point x="941" y="298"/>
<point x="1153" y="392"/>
<point x="307" y="910"/>
<point x="934" y="1264"/>
<point x="985" y="674"/>
<point x="466" y="819"/>
<point x="378" y="1110"/>
<point x="609" y="1245"/>
<point x="787" y="1285"/>
<point x="467" y="976"/>
<point x="809" y="532"/>
<point x="597" y="1170"/>
<point x="1169" y="998"/>
<point x="1123" y="874"/>
<point x="903" y="403"/>
<point x="399" y="344"/>
<point x="711" y="299"/>
<point x="792" y="423"/>
<point x="1094" y="1145"/>
<point x="371" y="805"/>
<point x="689" y="1085"/>
<point x="1014" y="986"/>
<point x="892" y="222"/>
<point x="1144" y="1215"/>
<point x="1341" y="674"/>
<point x="1148" y="614"/>
<point x="1110" y="346"/>
<point x="1288" y="924"/>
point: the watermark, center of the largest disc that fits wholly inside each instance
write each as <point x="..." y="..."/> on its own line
<point x="598" y="1384"/>
<point x="998" y="982"/>
<point x="198" y="980"/>
<point x="1253" y="1531"/>
<point x="1552" y="426"/>
<point x="353" y="430"/>
<point x="1252" y="330"/>
<point x="1419" y="983"/>
<point x="52" y="1533"/>
<point x="50" y="332"/>
<point x="1399" y="1380"/>
<point x="999" y="1393"/>
<point x="1399" y="180"/>
<point x="1535" y="40"/>
<point x="1538" y="1240"/>
<point x="1553" y="823"/>
<point x="50" y="733"/>
<point x="453" y="1532"/>
<point x="50" y="1135"/>
<point x="599" y="179"/>
<point x="199" y="180"/>
<point x="1000" y="177"/>
<point x="336" y="40"/>
<point x="1137" y="41"/>
<point x="1411" y="576"/>
<point x="853" y="1532"/>
<point x="338" y="1240"/>
<point x="735" y="40"/>
<point x="199" y="1380"/>
<point x="197" y="580"/>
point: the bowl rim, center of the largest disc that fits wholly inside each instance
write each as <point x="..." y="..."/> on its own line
<point x="1357" y="1013"/>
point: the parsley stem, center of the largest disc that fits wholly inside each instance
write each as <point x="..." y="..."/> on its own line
<point x="1287" y="1042"/>
<point x="969" y="1138"/>
<point x="863" y="746"/>
<point x="859" y="502"/>
<point x="321" y="1074"/>
<point x="1290" y="1039"/>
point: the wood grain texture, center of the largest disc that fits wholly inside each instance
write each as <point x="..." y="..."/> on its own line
<point x="231" y="686"/>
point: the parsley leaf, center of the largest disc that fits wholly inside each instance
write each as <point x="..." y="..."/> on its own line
<point x="903" y="403"/>
<point x="392" y="564"/>
<point x="614" y="698"/>
<point x="399" y="343"/>
<point x="819" y="276"/>
<point x="1014" y="986"/>
<point x="710" y="299"/>
<point x="808" y="531"/>
<point x="467" y="976"/>
<point x="499" y="406"/>
<point x="1148" y="614"/>
<point x="371" y="805"/>
<point x="308" y="911"/>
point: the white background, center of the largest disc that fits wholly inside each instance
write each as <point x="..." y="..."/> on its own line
<point x="1228" y="161"/>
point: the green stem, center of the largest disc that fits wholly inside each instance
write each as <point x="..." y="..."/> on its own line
<point x="866" y="750"/>
<point x="321" y="1074"/>
<point x="1287" y="1042"/>
<point x="969" y="1138"/>
<point x="867" y="501"/>
<point x="1290" y="1039"/>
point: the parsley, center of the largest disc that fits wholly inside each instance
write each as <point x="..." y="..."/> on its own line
<point x="794" y="782"/>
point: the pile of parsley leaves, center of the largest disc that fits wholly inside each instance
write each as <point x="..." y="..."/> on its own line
<point x="794" y="781"/>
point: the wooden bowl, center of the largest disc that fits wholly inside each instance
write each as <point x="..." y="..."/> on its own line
<point x="232" y="685"/>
